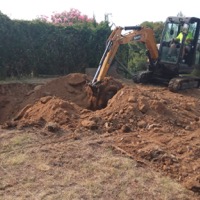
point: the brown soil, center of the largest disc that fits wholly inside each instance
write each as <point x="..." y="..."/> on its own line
<point x="156" y="127"/>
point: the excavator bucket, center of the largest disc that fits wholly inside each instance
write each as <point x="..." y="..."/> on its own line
<point x="101" y="93"/>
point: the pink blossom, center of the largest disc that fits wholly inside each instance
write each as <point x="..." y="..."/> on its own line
<point x="69" y="18"/>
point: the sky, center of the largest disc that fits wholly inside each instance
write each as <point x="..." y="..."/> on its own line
<point x="121" y="13"/>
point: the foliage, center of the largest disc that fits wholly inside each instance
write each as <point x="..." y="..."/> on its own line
<point x="5" y="36"/>
<point x="66" y="18"/>
<point x="39" y="47"/>
<point x="67" y="42"/>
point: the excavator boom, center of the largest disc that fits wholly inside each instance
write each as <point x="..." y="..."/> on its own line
<point x="116" y="38"/>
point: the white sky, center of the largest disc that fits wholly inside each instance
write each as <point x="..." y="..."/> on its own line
<point x="124" y="13"/>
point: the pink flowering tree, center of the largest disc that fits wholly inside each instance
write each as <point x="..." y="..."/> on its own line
<point x="67" y="18"/>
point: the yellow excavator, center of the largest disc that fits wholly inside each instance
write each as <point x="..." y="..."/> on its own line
<point x="162" y="68"/>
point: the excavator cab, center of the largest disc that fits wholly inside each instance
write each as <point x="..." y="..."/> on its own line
<point x="180" y="57"/>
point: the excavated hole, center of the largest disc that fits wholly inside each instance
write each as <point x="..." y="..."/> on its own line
<point x="100" y="96"/>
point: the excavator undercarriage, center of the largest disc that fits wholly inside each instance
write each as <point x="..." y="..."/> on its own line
<point x="183" y="83"/>
<point x="174" y="84"/>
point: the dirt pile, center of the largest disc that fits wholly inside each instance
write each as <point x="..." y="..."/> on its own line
<point x="49" y="110"/>
<point x="140" y="108"/>
<point x="70" y="88"/>
<point x="11" y="97"/>
<point x="158" y="128"/>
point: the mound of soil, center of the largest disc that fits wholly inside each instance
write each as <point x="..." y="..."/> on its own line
<point x="158" y="128"/>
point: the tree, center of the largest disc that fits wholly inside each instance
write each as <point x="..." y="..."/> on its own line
<point x="67" y="18"/>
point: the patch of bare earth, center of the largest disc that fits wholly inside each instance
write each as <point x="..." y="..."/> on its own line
<point x="45" y="165"/>
<point x="143" y="143"/>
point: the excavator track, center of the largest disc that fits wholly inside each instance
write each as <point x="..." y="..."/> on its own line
<point x="183" y="83"/>
<point x="142" y="77"/>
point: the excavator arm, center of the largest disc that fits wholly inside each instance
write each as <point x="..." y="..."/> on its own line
<point x="116" y="38"/>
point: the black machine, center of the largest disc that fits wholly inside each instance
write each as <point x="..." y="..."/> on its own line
<point x="173" y="68"/>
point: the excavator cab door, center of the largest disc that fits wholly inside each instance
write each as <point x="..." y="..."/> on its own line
<point x="170" y="32"/>
<point x="180" y="55"/>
